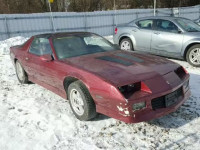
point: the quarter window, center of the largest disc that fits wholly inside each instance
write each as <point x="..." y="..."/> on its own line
<point x="167" y="26"/>
<point x="145" y="24"/>
<point x="40" y="46"/>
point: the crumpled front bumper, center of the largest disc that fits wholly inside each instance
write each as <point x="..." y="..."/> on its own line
<point x="125" y="112"/>
<point x="149" y="114"/>
<point x="128" y="115"/>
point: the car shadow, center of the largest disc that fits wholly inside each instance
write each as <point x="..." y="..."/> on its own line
<point x="29" y="82"/>
<point x="100" y="117"/>
<point x="188" y="112"/>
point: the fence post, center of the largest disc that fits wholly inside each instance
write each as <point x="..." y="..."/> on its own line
<point x="199" y="11"/>
<point x="172" y="12"/>
<point x="136" y="15"/>
<point x="157" y="13"/>
<point x="7" y="28"/>
<point x="52" y="23"/>
<point x="85" y="21"/>
<point x="113" y="24"/>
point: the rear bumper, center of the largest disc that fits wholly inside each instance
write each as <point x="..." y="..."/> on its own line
<point x="115" y="39"/>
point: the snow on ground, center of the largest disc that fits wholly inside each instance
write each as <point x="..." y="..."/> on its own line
<point x="5" y="45"/>
<point x="33" y="118"/>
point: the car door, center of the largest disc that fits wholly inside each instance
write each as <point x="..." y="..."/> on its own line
<point x="166" y="39"/>
<point x="32" y="58"/>
<point x="40" y="69"/>
<point x="143" y="35"/>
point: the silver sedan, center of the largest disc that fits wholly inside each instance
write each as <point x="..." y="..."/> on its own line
<point x="165" y="36"/>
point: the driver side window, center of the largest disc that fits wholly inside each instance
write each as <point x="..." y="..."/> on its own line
<point x="166" y="26"/>
<point x="40" y="46"/>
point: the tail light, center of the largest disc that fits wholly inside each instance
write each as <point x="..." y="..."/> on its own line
<point x="128" y="90"/>
<point x="116" y="30"/>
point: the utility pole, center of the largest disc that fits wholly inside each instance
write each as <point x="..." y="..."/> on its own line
<point x="115" y="21"/>
<point x="154" y="11"/>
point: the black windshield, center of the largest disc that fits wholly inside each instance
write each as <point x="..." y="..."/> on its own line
<point x="77" y="45"/>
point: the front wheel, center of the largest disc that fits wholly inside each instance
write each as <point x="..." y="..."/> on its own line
<point x="81" y="101"/>
<point x="21" y="74"/>
<point x="126" y="44"/>
<point x="193" y="55"/>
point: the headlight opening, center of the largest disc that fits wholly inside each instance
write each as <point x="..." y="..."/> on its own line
<point x="129" y="90"/>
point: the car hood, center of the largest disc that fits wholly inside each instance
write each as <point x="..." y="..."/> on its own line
<point x="193" y="34"/>
<point x="121" y="67"/>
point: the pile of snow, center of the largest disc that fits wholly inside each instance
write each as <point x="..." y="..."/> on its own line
<point x="32" y="117"/>
<point x="5" y="45"/>
<point x="110" y="38"/>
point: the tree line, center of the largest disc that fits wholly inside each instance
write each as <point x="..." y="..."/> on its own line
<point x="37" y="6"/>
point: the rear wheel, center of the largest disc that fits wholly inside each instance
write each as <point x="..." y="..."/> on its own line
<point x="21" y="74"/>
<point x="126" y="44"/>
<point x="81" y="101"/>
<point x="193" y="55"/>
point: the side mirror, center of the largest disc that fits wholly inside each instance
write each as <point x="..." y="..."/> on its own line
<point x="179" y="31"/>
<point x="46" y="57"/>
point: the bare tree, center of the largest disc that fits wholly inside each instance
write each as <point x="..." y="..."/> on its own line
<point x="36" y="6"/>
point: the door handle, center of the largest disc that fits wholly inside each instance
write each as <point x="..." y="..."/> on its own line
<point x="157" y="33"/>
<point x="27" y="58"/>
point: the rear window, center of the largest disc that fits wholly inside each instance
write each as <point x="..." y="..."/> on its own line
<point x="145" y="24"/>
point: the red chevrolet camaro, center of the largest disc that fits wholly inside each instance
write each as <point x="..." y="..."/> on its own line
<point x="97" y="77"/>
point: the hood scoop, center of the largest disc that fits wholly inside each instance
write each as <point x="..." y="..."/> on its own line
<point x="130" y="57"/>
<point x="115" y="60"/>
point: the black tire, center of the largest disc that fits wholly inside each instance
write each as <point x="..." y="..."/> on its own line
<point x="24" y="78"/>
<point x="192" y="48"/>
<point x="89" y="105"/>
<point x="128" y="40"/>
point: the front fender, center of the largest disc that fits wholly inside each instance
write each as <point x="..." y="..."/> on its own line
<point x="103" y="93"/>
<point x="77" y="76"/>
<point x="186" y="44"/>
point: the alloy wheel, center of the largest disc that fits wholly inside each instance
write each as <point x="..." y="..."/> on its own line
<point x="77" y="102"/>
<point x="19" y="71"/>
<point x="125" y="45"/>
<point x="194" y="56"/>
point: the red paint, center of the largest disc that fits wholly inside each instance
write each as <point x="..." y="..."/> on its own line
<point x="185" y="70"/>
<point x="145" y="88"/>
<point x="102" y="78"/>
